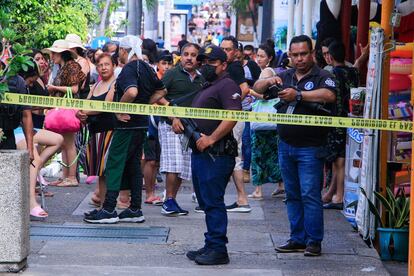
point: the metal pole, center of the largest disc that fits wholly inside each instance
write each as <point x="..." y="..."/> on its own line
<point x="387" y="8"/>
<point x="291" y="19"/>
<point x="411" y="229"/>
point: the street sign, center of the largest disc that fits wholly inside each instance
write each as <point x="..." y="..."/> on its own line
<point x="99" y="42"/>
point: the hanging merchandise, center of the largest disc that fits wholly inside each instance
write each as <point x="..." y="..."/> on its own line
<point x="369" y="168"/>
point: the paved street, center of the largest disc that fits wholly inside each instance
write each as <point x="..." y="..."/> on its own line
<point x="252" y="238"/>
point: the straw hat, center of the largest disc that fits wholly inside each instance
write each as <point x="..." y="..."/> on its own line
<point x="74" y="41"/>
<point x="59" y="46"/>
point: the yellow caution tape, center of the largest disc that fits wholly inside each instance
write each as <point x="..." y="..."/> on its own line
<point x="204" y="113"/>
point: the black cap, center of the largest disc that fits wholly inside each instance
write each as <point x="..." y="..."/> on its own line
<point x="165" y="55"/>
<point x="212" y="52"/>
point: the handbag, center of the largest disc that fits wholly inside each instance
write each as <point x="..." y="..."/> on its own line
<point x="266" y="106"/>
<point x="62" y="120"/>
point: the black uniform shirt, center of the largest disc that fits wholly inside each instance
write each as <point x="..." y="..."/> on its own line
<point x="305" y="136"/>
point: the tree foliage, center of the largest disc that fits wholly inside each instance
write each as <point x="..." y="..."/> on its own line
<point x="42" y="21"/>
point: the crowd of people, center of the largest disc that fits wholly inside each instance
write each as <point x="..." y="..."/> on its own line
<point x="127" y="150"/>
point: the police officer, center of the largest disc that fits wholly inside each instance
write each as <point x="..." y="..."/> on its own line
<point x="213" y="159"/>
<point x="306" y="88"/>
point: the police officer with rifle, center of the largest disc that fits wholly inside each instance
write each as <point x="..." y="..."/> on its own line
<point x="213" y="156"/>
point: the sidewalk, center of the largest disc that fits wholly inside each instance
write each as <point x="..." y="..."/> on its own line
<point x="252" y="238"/>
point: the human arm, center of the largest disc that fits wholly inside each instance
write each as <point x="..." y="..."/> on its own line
<point x="266" y="79"/>
<point x="62" y="89"/>
<point x="158" y="97"/>
<point x="321" y="95"/>
<point x="28" y="131"/>
<point x="363" y="58"/>
<point x="245" y="89"/>
<point x="224" y="128"/>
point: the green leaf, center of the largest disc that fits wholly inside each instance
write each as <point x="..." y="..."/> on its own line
<point x="387" y="206"/>
<point x="403" y="219"/>
<point x="372" y="208"/>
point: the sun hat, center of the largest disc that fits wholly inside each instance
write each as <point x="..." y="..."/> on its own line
<point x="74" y="41"/>
<point x="59" y="46"/>
<point x="131" y="42"/>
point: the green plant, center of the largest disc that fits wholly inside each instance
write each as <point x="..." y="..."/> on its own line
<point x="397" y="208"/>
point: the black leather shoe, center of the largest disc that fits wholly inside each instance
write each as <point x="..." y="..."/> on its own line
<point x="290" y="246"/>
<point x="211" y="257"/>
<point x="193" y="254"/>
<point x="312" y="250"/>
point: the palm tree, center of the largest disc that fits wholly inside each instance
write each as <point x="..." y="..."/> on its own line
<point x="104" y="16"/>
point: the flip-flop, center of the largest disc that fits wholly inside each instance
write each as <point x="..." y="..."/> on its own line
<point x="255" y="197"/>
<point x="37" y="213"/>
<point x="154" y="200"/>
<point x="68" y="183"/>
<point x="334" y="206"/>
<point x="55" y="182"/>
<point x="45" y="193"/>
<point x="278" y="192"/>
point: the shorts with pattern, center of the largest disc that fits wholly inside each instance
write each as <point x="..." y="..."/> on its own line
<point x="238" y="134"/>
<point x="174" y="159"/>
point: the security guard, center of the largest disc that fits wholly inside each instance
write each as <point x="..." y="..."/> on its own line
<point x="213" y="159"/>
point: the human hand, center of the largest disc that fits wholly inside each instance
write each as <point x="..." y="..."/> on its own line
<point x="288" y="94"/>
<point x="123" y="117"/>
<point x="276" y="80"/>
<point x="81" y="116"/>
<point x="50" y="87"/>
<point x="204" y="142"/>
<point x="177" y="126"/>
<point x="364" y="50"/>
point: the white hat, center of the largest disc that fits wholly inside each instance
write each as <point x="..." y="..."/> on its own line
<point x="59" y="46"/>
<point x="131" y="42"/>
<point x="74" y="41"/>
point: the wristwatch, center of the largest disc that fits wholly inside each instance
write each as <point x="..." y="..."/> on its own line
<point x="298" y="97"/>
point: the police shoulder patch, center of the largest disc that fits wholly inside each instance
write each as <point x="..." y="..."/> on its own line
<point x="330" y="82"/>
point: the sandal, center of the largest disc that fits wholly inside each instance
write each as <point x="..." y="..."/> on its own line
<point x="45" y="193"/>
<point x="56" y="182"/>
<point x="278" y="192"/>
<point x="68" y="183"/>
<point x="255" y="196"/>
<point x="154" y="200"/>
<point x="37" y="213"/>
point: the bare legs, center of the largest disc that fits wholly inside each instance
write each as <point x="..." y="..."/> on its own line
<point x="335" y="193"/>
<point x="150" y="172"/>
<point x="52" y="142"/>
<point x="173" y="183"/>
<point x="68" y="156"/>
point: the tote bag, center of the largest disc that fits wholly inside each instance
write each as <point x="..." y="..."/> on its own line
<point x="61" y="120"/>
<point x="264" y="106"/>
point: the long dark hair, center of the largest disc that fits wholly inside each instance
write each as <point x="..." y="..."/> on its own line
<point x="269" y="49"/>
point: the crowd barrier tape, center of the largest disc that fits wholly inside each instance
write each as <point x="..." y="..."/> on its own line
<point x="204" y="113"/>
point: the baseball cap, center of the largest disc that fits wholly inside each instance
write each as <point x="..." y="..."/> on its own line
<point x="165" y="55"/>
<point x="212" y="52"/>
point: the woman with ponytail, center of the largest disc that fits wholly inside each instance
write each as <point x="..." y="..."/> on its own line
<point x="265" y="163"/>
